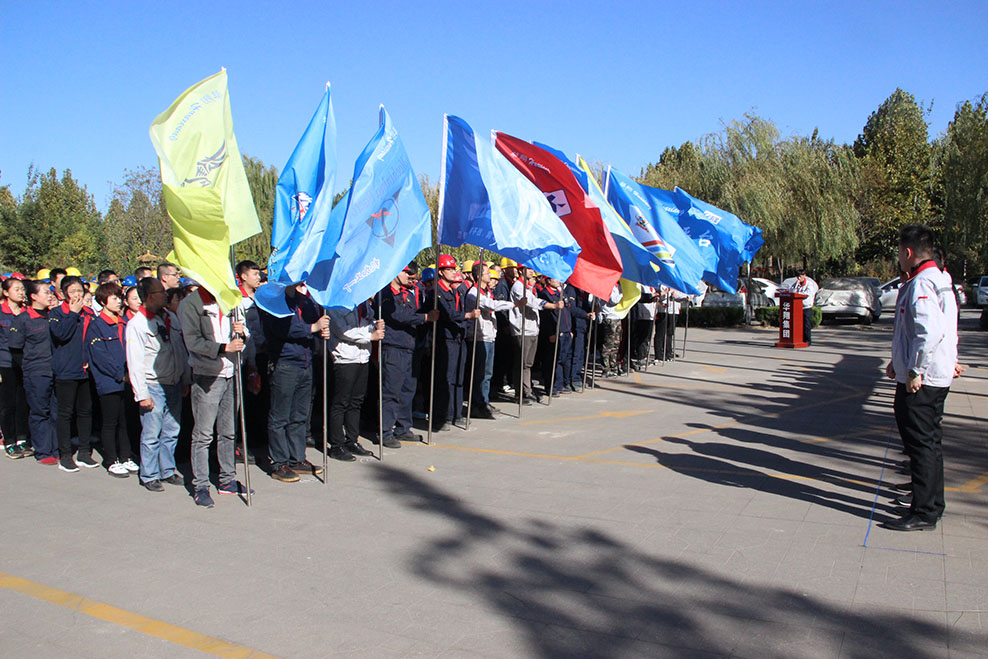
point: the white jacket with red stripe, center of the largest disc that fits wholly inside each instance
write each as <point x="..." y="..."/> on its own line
<point x="925" y="337"/>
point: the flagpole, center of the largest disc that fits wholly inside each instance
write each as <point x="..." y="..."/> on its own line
<point x="473" y="350"/>
<point x="555" y="353"/>
<point x="432" y="363"/>
<point x="627" y="330"/>
<point x="665" y="331"/>
<point x="651" y="339"/>
<point x="586" y="354"/>
<point x="238" y="392"/>
<point x="521" y="345"/>
<point x="325" y="410"/>
<point x="687" y="328"/>
<point x="380" y="389"/>
<point x="593" y="363"/>
<point x="607" y="181"/>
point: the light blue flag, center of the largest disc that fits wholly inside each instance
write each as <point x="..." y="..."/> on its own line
<point x="485" y="201"/>
<point x="721" y="235"/>
<point x="652" y="216"/>
<point x="385" y="221"/>
<point x="302" y="213"/>
<point x="637" y="261"/>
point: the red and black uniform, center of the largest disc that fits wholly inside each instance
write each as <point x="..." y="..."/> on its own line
<point x="13" y="401"/>
<point x="402" y="320"/>
<point x="106" y="354"/>
<point x="69" y="367"/>
<point x="30" y="343"/>
<point x="450" y="355"/>
<point x="559" y="322"/>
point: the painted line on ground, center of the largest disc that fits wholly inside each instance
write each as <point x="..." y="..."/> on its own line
<point x="130" y="620"/>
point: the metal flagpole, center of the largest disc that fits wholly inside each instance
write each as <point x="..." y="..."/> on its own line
<point x="521" y="346"/>
<point x="380" y="388"/>
<point x="432" y="364"/>
<point x="665" y="331"/>
<point x="627" y="340"/>
<point x="651" y="340"/>
<point x="687" y="329"/>
<point x="593" y="362"/>
<point x="555" y="354"/>
<point x="586" y="356"/>
<point x="473" y="350"/>
<point x="325" y="410"/>
<point x="238" y="392"/>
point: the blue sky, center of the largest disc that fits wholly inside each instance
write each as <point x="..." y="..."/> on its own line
<point x="616" y="82"/>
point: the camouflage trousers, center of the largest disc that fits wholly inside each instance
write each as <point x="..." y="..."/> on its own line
<point x="610" y="344"/>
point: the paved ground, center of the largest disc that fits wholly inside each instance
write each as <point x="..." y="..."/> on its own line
<point x="722" y="505"/>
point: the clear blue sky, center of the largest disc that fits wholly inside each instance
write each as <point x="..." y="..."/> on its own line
<point x="614" y="81"/>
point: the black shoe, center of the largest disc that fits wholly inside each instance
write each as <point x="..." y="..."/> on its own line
<point x="340" y="453"/>
<point x="390" y="442"/>
<point x="154" y="486"/>
<point x="304" y="468"/>
<point x="285" y="474"/>
<point x="574" y="388"/>
<point x="175" y="479"/>
<point x="527" y="400"/>
<point x="409" y="437"/>
<point x="358" y="450"/>
<point x="904" y="500"/>
<point x="910" y="523"/>
<point x="481" y="413"/>
<point x="86" y="460"/>
<point x="903" y="487"/>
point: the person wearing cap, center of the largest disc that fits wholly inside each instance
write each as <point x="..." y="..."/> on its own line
<point x="450" y="351"/>
<point x="479" y="297"/>
<point x="804" y="285"/>
<point x="403" y="316"/>
<point x="523" y="291"/>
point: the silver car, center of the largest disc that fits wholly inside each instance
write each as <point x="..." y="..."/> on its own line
<point x="849" y="297"/>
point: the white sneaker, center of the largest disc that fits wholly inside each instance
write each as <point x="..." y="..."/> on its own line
<point x="118" y="470"/>
<point x="131" y="466"/>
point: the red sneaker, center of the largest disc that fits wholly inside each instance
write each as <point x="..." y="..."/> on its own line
<point x="50" y="461"/>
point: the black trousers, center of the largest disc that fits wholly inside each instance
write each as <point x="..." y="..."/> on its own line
<point x="807" y="323"/>
<point x="113" y="435"/>
<point x="13" y="405"/>
<point x="578" y="356"/>
<point x="74" y="399"/>
<point x="641" y="331"/>
<point x="349" y="389"/>
<point x="397" y="390"/>
<point x="920" y="420"/>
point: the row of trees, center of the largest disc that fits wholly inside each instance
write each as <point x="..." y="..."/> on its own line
<point x="833" y="207"/>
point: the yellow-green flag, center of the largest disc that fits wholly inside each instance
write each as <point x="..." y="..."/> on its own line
<point x="630" y="293"/>
<point x="205" y="185"/>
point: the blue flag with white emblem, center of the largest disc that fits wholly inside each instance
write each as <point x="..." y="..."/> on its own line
<point x="652" y="215"/>
<point x="385" y="223"/>
<point x="724" y="239"/>
<point x="486" y="202"/>
<point x="304" y="201"/>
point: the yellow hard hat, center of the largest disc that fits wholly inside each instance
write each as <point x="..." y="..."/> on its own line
<point x="508" y="263"/>
<point x="44" y="273"/>
<point x="431" y="265"/>
<point x="467" y="266"/>
<point x="495" y="274"/>
<point x="73" y="272"/>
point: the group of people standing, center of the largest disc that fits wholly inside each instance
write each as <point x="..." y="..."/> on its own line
<point x="147" y="360"/>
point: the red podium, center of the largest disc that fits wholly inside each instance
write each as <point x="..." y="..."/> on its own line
<point x="791" y="320"/>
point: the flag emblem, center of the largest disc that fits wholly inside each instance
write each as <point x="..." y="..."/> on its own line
<point x="384" y="222"/>
<point x="300" y="205"/>
<point x="205" y="167"/>
<point x="560" y="205"/>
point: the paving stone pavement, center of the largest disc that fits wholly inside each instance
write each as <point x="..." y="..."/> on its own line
<point x="725" y="504"/>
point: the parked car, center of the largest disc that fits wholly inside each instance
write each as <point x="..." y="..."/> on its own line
<point x="764" y="292"/>
<point x="715" y="297"/>
<point x="981" y="292"/>
<point x="890" y="294"/>
<point x="849" y="297"/>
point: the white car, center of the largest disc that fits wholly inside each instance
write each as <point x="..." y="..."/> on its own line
<point x="981" y="292"/>
<point x="764" y="288"/>
<point x="849" y="297"/>
<point x="890" y="293"/>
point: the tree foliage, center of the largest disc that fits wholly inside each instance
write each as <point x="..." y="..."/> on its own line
<point x="136" y="223"/>
<point x="964" y="180"/>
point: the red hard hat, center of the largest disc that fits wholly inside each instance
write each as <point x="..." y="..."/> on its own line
<point x="17" y="275"/>
<point x="446" y="261"/>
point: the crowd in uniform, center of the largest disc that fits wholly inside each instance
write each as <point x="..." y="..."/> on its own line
<point x="145" y="367"/>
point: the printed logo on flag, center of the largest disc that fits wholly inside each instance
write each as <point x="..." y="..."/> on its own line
<point x="300" y="205"/>
<point x="645" y="233"/>
<point x="205" y="168"/>
<point x="560" y="205"/>
<point x="713" y="218"/>
<point x="384" y="222"/>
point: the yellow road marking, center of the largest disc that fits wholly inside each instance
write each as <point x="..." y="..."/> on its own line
<point x="975" y="484"/>
<point x="637" y="378"/>
<point x="715" y="369"/>
<point x="137" y="622"/>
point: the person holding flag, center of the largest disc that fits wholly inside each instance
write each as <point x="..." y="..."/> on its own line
<point x="525" y="311"/>
<point x="486" y="332"/>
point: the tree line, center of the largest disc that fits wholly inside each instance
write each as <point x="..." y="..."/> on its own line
<point x="833" y="208"/>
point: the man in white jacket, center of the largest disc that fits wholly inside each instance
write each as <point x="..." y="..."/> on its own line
<point x="525" y="307"/>
<point x="350" y="336"/>
<point x="479" y="296"/>
<point x="924" y="364"/>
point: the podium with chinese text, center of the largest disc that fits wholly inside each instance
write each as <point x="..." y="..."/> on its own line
<point x="791" y="320"/>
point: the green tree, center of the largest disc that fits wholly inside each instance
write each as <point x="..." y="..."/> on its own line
<point x="136" y="223"/>
<point x="263" y="182"/>
<point x="894" y="186"/>
<point x="56" y="223"/>
<point x="965" y="188"/>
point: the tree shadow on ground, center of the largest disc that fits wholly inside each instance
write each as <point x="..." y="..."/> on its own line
<point x="570" y="589"/>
